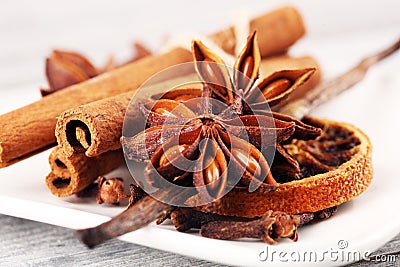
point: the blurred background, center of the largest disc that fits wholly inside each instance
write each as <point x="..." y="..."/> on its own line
<point x="29" y="30"/>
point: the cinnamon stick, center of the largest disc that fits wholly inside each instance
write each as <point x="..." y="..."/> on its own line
<point x="70" y="175"/>
<point x="101" y="122"/>
<point x="276" y="32"/>
<point x="96" y="128"/>
<point x="30" y="129"/>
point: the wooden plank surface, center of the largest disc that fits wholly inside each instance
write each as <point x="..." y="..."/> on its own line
<point x="28" y="243"/>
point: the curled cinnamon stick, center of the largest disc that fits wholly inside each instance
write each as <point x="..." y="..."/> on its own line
<point x="70" y="175"/>
<point x="96" y="128"/>
<point x="277" y="31"/>
<point x="30" y="129"/>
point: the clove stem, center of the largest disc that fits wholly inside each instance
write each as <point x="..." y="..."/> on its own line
<point x="139" y="215"/>
<point x="328" y="90"/>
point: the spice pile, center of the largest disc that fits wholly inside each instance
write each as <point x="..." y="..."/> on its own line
<point x="231" y="186"/>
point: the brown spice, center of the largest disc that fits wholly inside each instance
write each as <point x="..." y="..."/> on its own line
<point x="65" y="68"/>
<point x="285" y="26"/>
<point x="269" y="227"/>
<point x="96" y="127"/>
<point x="30" y="129"/>
<point x="145" y="211"/>
<point x="111" y="190"/>
<point x="70" y="175"/>
<point x="223" y="133"/>
<point x="185" y="219"/>
<point x="92" y="191"/>
<point x="214" y="131"/>
<point x="212" y="128"/>
<point x="136" y="194"/>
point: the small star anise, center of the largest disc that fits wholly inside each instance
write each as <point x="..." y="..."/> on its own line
<point x="67" y="68"/>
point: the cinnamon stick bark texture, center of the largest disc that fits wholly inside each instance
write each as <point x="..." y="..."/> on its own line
<point x="70" y="175"/>
<point x="96" y="128"/>
<point x="277" y="31"/>
<point x="58" y="166"/>
<point x="30" y="129"/>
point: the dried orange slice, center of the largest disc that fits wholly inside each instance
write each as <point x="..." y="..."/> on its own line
<point x="342" y="159"/>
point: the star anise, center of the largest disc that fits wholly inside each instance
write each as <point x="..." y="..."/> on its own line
<point x="210" y="138"/>
<point x="199" y="148"/>
<point x="65" y="68"/>
<point x="246" y="98"/>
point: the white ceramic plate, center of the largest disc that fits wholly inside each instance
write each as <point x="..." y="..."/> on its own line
<point x="359" y="227"/>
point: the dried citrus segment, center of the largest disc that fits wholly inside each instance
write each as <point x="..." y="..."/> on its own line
<point x="330" y="187"/>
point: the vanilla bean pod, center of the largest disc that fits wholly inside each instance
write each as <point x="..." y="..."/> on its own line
<point x="328" y="90"/>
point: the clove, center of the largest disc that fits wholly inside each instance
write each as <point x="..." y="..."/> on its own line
<point x="268" y="228"/>
<point x="145" y="211"/>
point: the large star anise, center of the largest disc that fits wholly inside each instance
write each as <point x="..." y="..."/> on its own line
<point x="212" y="152"/>
<point x="243" y="97"/>
<point x="202" y="144"/>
